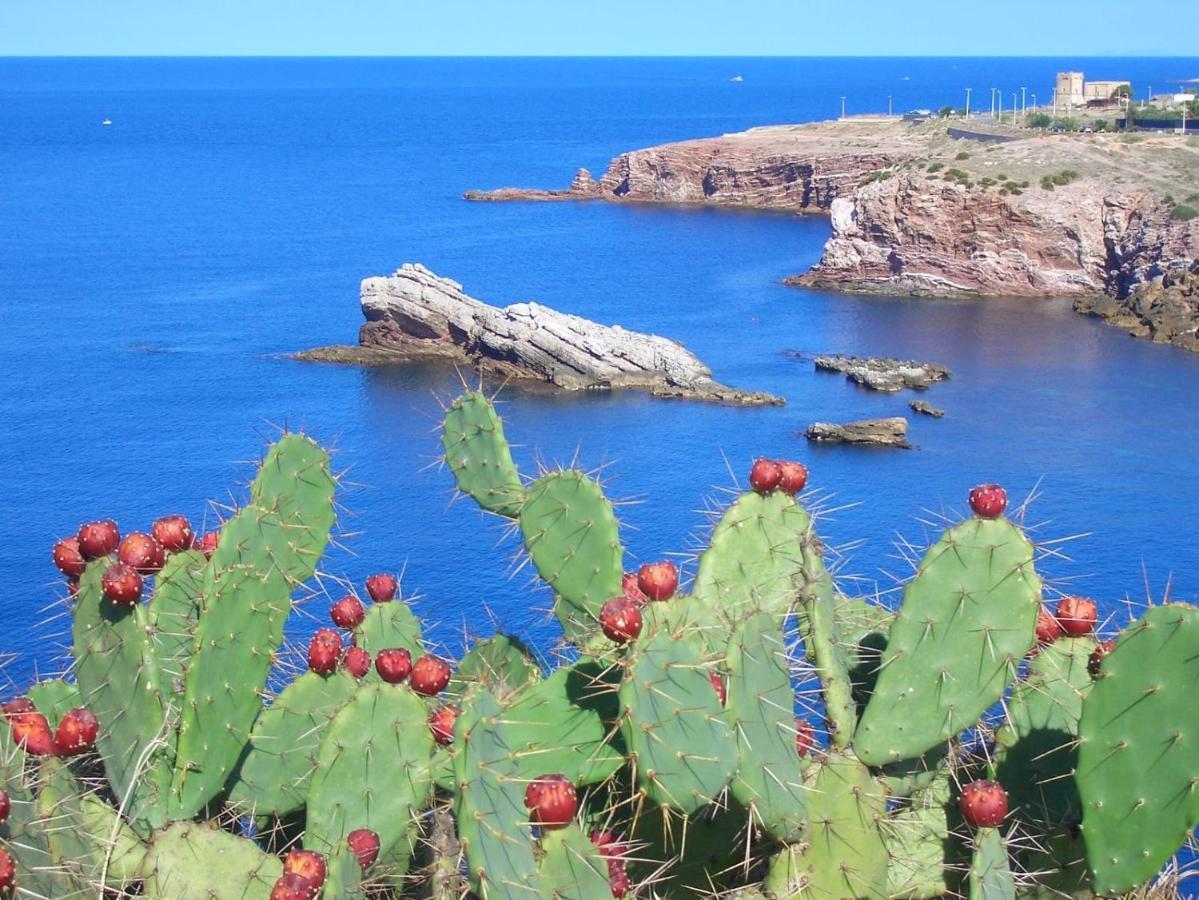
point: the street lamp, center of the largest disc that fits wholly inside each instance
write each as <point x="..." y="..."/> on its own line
<point x="968" y="90"/>
<point x="1023" y="101"/>
<point x="888" y="105"/>
<point x="842" y="107"/>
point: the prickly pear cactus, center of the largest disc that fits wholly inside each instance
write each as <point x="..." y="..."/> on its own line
<point x="571" y="867"/>
<point x="1139" y="753"/>
<point x="187" y="861"/>
<point x="477" y="453"/>
<point x="990" y="871"/>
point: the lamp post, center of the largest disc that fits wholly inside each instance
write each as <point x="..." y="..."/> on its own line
<point x="992" y="103"/>
<point x="968" y="102"/>
<point x="842" y="107"/>
<point x="889" y="106"/>
<point x="1023" y="101"/>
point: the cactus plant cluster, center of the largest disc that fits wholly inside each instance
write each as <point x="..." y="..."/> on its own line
<point x="754" y="732"/>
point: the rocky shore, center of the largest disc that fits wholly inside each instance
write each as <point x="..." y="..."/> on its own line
<point x="884" y="373"/>
<point x="415" y="315"/>
<point x="1165" y="310"/>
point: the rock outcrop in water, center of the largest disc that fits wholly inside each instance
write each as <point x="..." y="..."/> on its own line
<point x="1165" y="309"/>
<point x="879" y="373"/>
<point x="872" y="432"/>
<point x="416" y="315"/>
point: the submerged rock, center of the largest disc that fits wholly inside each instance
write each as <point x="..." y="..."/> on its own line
<point x="417" y="315"/>
<point x="891" y="432"/>
<point x="883" y="373"/>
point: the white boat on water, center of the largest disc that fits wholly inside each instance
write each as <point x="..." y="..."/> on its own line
<point x="736" y="79"/>
<point x="106" y="122"/>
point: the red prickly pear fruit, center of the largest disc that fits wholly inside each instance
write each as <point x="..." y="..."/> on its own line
<point x="365" y="844"/>
<point x="1095" y="660"/>
<point x="5" y="806"/>
<point x="441" y="723"/>
<point x="324" y="650"/>
<point x="718" y="687"/>
<point x="7" y="871"/>
<point x="629" y="587"/>
<point x="765" y="475"/>
<point x="983" y="804"/>
<point x="1077" y="615"/>
<point x="348" y="612"/>
<point x="658" y="580"/>
<point x="122" y="585"/>
<point x="1049" y="629"/>
<point x="618" y="878"/>
<point x="356" y="661"/>
<point x="291" y="886"/>
<point x="173" y="532"/>
<point x="98" y="539"/>
<point x="552" y="801"/>
<point x="207" y="543"/>
<point x="607" y="844"/>
<point x="620" y="619"/>
<point x="17" y="706"/>
<point x="31" y="731"/>
<point x="430" y="675"/>
<point x="69" y="558"/>
<point x="393" y="664"/>
<point x="308" y="864"/>
<point x="76" y="732"/>
<point x="988" y="501"/>
<point x="805" y="737"/>
<point x="793" y="477"/>
<point x="142" y="552"/>
<point x="382" y="587"/>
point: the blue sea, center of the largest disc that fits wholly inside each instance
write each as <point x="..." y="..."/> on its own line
<point x="155" y="273"/>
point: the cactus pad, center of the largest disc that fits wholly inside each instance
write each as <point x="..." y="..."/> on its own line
<point x="187" y="861"/>
<point x="387" y="625"/>
<point x="55" y="698"/>
<point x="990" y="872"/>
<point x="173" y="614"/>
<point x="500" y="663"/>
<point x="571" y="867"/>
<point x="968" y="618"/>
<point x="476" y="451"/>
<point x="917" y="837"/>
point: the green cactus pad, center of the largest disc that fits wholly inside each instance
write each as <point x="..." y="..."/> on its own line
<point x="844" y="854"/>
<point x="119" y="680"/>
<point x="682" y="749"/>
<point x="571" y="533"/>
<point x="267" y="550"/>
<point x="1037" y="747"/>
<point x="493" y="824"/>
<point x="343" y="875"/>
<point x="500" y="663"/>
<point x="756" y="550"/>
<point x="276" y="769"/>
<point x="918" y="842"/>
<point x="1139" y="751"/>
<point x="990" y="872"/>
<point x="864" y="628"/>
<point x="571" y="867"/>
<point x="690" y="856"/>
<point x="86" y="836"/>
<point x="825" y="644"/>
<point x="388" y="625"/>
<point x="187" y="861"/>
<point x="476" y="451"/>
<point x="372" y="768"/>
<point x="54" y="699"/>
<point x="23" y="833"/>
<point x="968" y="618"/>
<point x="173" y="614"/>
<point x="761" y="711"/>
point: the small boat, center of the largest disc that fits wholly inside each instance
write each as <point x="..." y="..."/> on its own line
<point x="736" y="79"/>
<point x="106" y="122"/>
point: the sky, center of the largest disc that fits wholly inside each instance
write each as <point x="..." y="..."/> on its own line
<point x="592" y="28"/>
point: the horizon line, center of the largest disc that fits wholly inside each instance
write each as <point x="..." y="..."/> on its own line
<point x="581" y="56"/>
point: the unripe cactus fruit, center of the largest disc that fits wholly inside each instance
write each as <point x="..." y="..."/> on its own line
<point x="7" y="871"/>
<point x="620" y="619"/>
<point x="324" y="650"/>
<point x="630" y="589"/>
<point x="430" y="675"/>
<point x="552" y="801"/>
<point x="98" y="539"/>
<point x="983" y="804"/>
<point x="365" y="844"/>
<point x="1077" y="615"/>
<point x="308" y="864"/>
<point x="356" y="661"/>
<point x="348" y="612"/>
<point x="393" y="664"/>
<point x="765" y="475"/>
<point x="31" y="731"/>
<point x="658" y="580"/>
<point x="140" y="551"/>
<point x="382" y="587"/>
<point x="988" y="501"/>
<point x="291" y="886"/>
<point x="76" y="732"/>
<point x="173" y="532"/>
<point x="68" y="557"/>
<point x="207" y="543"/>
<point x="1049" y="629"/>
<point x="122" y="585"/>
<point x="1095" y="660"/>
<point x="441" y="723"/>
<point x="5" y="806"/>
<point x="805" y="737"/>
<point x="718" y="687"/>
<point x="794" y="476"/>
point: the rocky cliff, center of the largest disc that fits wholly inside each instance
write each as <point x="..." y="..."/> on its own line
<point x="417" y="315"/>
<point x="1165" y="309"/>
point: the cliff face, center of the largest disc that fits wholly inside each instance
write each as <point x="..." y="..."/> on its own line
<point x="1166" y="310"/>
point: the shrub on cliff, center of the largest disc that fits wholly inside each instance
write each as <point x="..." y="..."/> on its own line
<point x="1183" y="213"/>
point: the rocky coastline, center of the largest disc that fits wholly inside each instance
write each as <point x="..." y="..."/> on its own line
<point x="1166" y="310"/>
<point x="415" y="315"/>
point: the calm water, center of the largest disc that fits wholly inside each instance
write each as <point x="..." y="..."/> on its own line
<point x="150" y="273"/>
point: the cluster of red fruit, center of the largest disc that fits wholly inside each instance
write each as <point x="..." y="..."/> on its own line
<point x="429" y="675"/>
<point x="1074" y="616"/>
<point x="768" y="475"/>
<point x="304" y="870"/>
<point x="76" y="730"/>
<point x="138" y="554"/>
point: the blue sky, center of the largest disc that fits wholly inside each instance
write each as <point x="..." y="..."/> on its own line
<point x="603" y="27"/>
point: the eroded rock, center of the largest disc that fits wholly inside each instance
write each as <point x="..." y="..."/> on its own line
<point x="881" y="373"/>
<point x="891" y="432"/>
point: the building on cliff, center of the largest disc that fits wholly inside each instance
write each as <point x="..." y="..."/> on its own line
<point x="1072" y="89"/>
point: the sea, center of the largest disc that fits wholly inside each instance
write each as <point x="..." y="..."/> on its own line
<point x="156" y="273"/>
